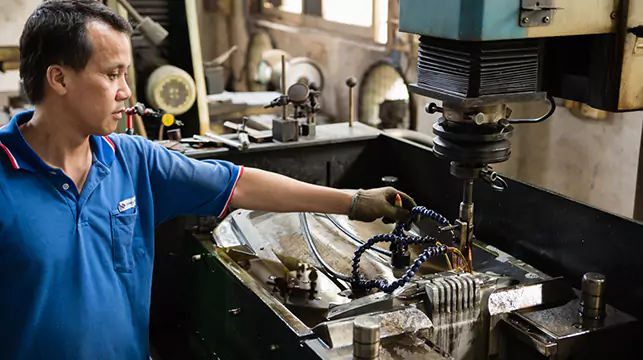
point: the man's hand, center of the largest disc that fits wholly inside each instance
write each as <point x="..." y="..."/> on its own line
<point x="370" y="205"/>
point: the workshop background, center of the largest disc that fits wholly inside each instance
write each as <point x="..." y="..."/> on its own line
<point x="590" y="156"/>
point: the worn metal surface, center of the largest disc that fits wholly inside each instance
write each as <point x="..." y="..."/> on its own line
<point x="560" y="333"/>
<point x="339" y="333"/>
<point x="523" y="296"/>
<point x="296" y="325"/>
<point x="407" y="347"/>
<point x="371" y="303"/>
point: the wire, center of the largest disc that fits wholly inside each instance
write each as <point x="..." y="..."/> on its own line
<point x="445" y="256"/>
<point x="311" y="244"/>
<point x="540" y="119"/>
<point x="353" y="236"/>
<point x="461" y="255"/>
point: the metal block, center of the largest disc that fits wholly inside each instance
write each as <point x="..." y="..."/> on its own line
<point x="285" y="130"/>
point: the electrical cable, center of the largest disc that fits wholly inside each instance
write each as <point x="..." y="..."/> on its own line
<point x="311" y="244"/>
<point x="540" y="119"/>
<point x="445" y="256"/>
<point x="353" y="236"/>
<point x="399" y="240"/>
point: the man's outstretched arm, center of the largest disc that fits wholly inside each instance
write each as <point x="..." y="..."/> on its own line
<point x="266" y="191"/>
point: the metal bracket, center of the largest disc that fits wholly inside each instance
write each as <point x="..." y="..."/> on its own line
<point x="536" y="13"/>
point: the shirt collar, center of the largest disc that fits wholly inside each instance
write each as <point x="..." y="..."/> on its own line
<point x="22" y="156"/>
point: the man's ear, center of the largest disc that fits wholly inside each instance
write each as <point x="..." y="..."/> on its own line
<point x="56" y="79"/>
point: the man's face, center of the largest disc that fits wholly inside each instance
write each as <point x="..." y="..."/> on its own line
<point x="96" y="94"/>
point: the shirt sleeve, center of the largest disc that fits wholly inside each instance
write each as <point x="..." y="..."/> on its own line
<point x="185" y="186"/>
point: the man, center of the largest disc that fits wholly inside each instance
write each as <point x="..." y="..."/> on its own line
<point x="79" y="204"/>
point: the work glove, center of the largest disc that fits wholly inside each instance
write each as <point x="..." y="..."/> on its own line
<point x="373" y="204"/>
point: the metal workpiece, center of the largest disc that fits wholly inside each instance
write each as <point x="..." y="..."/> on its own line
<point x="366" y="337"/>
<point x="550" y="292"/>
<point x="407" y="320"/>
<point x="557" y="331"/>
<point x="368" y="304"/>
<point x="232" y="144"/>
<point x="592" y="301"/>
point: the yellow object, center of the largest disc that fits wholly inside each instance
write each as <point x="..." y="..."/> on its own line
<point x="398" y="201"/>
<point x="167" y="119"/>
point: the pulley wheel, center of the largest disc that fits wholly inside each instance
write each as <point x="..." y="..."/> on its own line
<point x="171" y="89"/>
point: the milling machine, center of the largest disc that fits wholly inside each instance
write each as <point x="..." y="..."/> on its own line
<point x="317" y="286"/>
<point x="478" y="56"/>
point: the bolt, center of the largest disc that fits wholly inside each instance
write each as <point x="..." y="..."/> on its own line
<point x="546" y="19"/>
<point x="525" y="20"/>
<point x="613" y="15"/>
<point x="274" y="347"/>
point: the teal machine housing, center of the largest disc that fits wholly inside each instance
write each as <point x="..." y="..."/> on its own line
<point x="468" y="20"/>
<point x="478" y="56"/>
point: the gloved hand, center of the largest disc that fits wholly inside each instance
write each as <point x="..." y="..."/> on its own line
<point x="373" y="204"/>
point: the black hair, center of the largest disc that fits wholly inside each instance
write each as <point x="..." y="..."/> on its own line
<point x="56" y="34"/>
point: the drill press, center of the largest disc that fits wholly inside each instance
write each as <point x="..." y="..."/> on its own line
<point x="477" y="56"/>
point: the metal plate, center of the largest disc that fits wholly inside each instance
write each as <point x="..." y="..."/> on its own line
<point x="536" y="13"/>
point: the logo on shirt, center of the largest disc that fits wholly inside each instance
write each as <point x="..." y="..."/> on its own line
<point x="127" y="204"/>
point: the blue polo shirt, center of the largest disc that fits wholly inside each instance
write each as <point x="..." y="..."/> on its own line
<point x="76" y="268"/>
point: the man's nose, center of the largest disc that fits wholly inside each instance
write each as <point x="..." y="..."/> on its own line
<point x="124" y="92"/>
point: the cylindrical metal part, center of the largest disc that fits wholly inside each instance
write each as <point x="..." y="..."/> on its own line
<point x="283" y="85"/>
<point x="467" y="191"/>
<point x="351" y="82"/>
<point x="366" y="337"/>
<point x="351" y="116"/>
<point x="466" y="206"/>
<point x="592" y="304"/>
<point x="466" y="221"/>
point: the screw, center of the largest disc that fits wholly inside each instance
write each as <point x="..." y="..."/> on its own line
<point x="546" y="19"/>
<point x="274" y="347"/>
<point x="613" y="15"/>
<point x="525" y="20"/>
